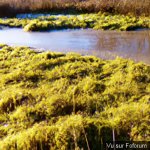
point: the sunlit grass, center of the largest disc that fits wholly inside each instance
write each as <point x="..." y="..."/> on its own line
<point x="103" y="21"/>
<point x="65" y="101"/>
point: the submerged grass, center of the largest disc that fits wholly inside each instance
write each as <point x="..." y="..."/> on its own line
<point x="104" y="21"/>
<point x="67" y="101"/>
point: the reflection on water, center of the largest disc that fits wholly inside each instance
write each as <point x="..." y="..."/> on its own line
<point x="105" y="44"/>
<point x="32" y="15"/>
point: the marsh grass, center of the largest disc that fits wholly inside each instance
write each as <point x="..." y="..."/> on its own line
<point x="67" y="101"/>
<point x="103" y="21"/>
<point x="13" y="7"/>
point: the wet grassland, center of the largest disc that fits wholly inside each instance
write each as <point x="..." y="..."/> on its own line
<point x="102" y="21"/>
<point x="61" y="101"/>
<point x="52" y="100"/>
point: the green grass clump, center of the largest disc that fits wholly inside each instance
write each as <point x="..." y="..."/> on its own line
<point x="67" y="101"/>
<point x="103" y="21"/>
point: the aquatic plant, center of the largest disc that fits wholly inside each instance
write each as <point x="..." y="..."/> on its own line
<point x="61" y="101"/>
<point x="103" y="21"/>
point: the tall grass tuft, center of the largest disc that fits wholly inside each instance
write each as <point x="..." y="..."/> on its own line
<point x="12" y="7"/>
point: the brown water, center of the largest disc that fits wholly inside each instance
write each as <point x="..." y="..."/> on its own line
<point x="105" y="44"/>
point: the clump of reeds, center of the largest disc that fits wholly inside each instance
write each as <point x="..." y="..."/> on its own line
<point x="137" y="7"/>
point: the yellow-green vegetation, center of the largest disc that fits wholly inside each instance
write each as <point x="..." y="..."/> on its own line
<point x="103" y="21"/>
<point x="67" y="101"/>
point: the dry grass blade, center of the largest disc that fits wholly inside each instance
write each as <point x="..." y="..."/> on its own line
<point x="137" y="7"/>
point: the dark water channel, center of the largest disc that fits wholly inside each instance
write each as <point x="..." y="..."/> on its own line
<point x="104" y="44"/>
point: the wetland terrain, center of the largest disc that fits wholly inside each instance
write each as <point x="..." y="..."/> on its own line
<point x="74" y="81"/>
<point x="54" y="100"/>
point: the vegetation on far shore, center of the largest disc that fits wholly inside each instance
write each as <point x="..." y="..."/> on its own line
<point x="100" y="20"/>
<point x="13" y="7"/>
<point x="67" y="101"/>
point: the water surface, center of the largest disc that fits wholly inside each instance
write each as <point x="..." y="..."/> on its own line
<point x="105" y="44"/>
<point x="32" y="15"/>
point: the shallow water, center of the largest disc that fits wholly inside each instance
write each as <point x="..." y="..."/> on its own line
<point x="32" y="16"/>
<point x="104" y="44"/>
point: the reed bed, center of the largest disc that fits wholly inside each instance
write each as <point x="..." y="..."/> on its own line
<point x="12" y="7"/>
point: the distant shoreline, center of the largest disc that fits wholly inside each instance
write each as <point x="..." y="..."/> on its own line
<point x="102" y="21"/>
<point x="11" y="8"/>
